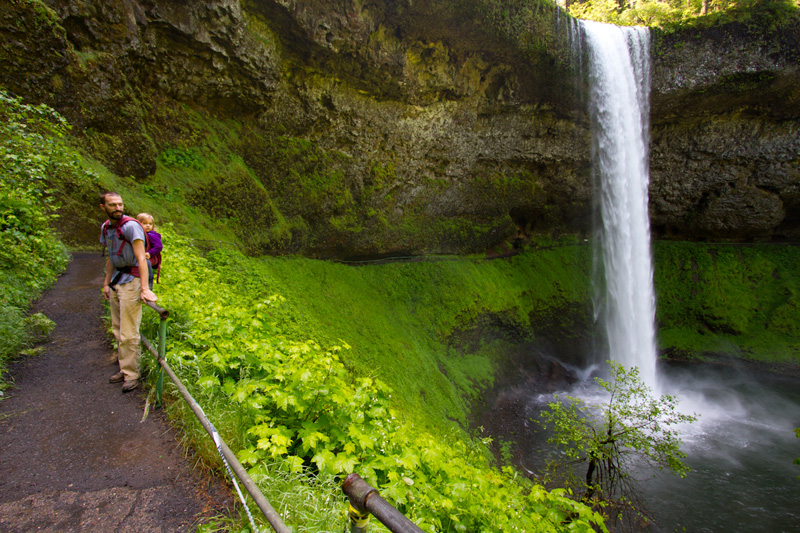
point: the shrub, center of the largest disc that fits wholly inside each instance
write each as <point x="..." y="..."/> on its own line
<point x="33" y="157"/>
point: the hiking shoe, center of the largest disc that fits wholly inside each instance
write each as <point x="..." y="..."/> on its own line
<point x="119" y="377"/>
<point x="130" y="385"/>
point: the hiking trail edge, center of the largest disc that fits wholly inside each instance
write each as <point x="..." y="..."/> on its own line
<point x="74" y="454"/>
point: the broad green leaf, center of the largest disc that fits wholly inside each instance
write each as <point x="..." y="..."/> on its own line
<point x="208" y="381"/>
<point x="325" y="460"/>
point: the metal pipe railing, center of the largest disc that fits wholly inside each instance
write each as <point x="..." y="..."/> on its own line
<point x="228" y="457"/>
<point x="162" y="313"/>
<point x="365" y="499"/>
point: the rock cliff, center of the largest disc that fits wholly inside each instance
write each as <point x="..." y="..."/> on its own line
<point x="415" y="126"/>
<point x="726" y="133"/>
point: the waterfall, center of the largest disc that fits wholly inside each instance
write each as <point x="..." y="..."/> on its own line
<point x="619" y="79"/>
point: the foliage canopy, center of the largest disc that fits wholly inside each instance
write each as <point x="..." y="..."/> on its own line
<point x="675" y="13"/>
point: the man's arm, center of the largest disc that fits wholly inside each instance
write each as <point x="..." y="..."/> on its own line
<point x="138" y="251"/>
<point x="107" y="279"/>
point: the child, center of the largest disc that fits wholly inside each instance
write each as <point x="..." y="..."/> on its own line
<point x="154" y="252"/>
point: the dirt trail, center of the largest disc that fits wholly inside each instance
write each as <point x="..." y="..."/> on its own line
<point x="74" y="455"/>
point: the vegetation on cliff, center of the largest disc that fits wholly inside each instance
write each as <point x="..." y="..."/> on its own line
<point x="676" y="14"/>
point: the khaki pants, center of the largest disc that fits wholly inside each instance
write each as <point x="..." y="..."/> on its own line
<point x="126" y="317"/>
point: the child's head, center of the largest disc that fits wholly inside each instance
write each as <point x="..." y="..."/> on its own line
<point x="147" y="221"/>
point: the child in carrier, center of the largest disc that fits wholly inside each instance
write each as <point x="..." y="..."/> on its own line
<point x="153" y="253"/>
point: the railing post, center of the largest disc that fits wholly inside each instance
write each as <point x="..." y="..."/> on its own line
<point x="162" y="353"/>
<point x="162" y="347"/>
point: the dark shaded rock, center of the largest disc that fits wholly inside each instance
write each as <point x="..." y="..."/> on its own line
<point x="725" y="153"/>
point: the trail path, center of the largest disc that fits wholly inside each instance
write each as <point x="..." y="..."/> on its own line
<point x="74" y="454"/>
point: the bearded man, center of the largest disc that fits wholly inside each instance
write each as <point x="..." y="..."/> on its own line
<point x="125" y="240"/>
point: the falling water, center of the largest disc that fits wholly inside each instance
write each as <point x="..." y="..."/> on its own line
<point x="619" y="77"/>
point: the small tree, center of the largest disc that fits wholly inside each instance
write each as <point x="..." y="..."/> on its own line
<point x="630" y="429"/>
<point x="797" y="434"/>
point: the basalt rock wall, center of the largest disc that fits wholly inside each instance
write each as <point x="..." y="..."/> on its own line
<point x="425" y="126"/>
<point x="725" y="152"/>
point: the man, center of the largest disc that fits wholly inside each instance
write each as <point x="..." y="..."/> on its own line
<point x="125" y="239"/>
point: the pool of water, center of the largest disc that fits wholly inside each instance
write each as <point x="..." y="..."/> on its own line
<point x="740" y="452"/>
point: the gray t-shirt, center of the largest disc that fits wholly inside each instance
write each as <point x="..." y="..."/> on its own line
<point x="133" y="231"/>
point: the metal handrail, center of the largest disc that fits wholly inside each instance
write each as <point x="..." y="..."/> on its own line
<point x="228" y="457"/>
<point x="365" y="499"/>
<point x="163" y="313"/>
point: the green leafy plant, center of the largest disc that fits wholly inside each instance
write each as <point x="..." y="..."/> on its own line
<point x="39" y="327"/>
<point x="33" y="159"/>
<point x="630" y="428"/>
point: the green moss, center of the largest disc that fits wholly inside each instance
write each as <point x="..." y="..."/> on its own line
<point x="453" y="234"/>
<point x="401" y="318"/>
<point x="729" y="299"/>
<point x="190" y="158"/>
<point x="87" y="59"/>
<point x="44" y="15"/>
<point x="258" y="27"/>
<point x="303" y="177"/>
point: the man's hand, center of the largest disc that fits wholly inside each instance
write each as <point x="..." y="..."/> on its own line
<point x="148" y="295"/>
<point x="106" y="292"/>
